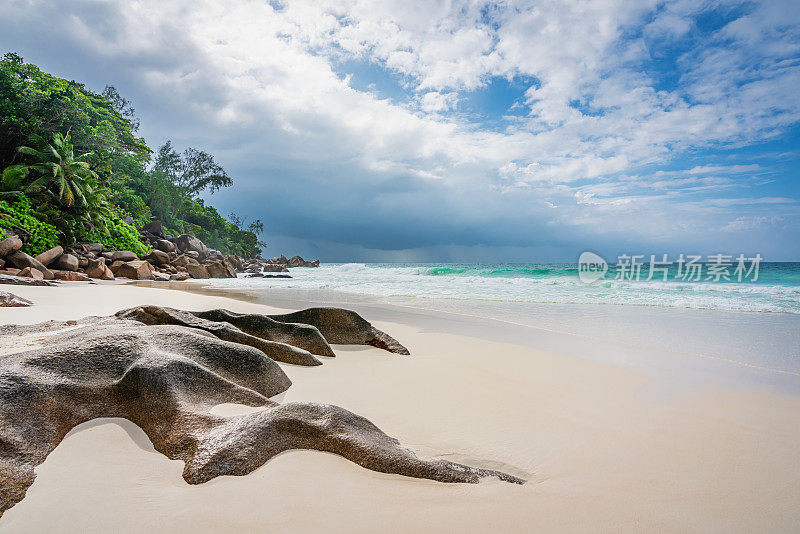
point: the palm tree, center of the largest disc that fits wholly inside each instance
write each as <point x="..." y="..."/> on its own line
<point x="62" y="187"/>
<point x="60" y="171"/>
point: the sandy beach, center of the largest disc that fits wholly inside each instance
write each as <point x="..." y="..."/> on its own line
<point x="598" y="451"/>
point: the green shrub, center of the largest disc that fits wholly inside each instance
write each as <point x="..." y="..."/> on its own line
<point x="121" y="236"/>
<point x="18" y="214"/>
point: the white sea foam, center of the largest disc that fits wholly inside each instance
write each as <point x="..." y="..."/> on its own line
<point x="558" y="284"/>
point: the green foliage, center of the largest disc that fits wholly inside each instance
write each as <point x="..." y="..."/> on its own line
<point x="179" y="213"/>
<point x="121" y="236"/>
<point x="56" y="168"/>
<point x="192" y="172"/>
<point x="17" y="215"/>
<point x="81" y="198"/>
<point x="63" y="188"/>
<point x="34" y="103"/>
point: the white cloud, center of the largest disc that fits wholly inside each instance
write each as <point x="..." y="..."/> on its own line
<point x="434" y="101"/>
<point x="260" y="87"/>
<point x="749" y="223"/>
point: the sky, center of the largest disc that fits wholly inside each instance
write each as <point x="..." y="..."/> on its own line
<point x="465" y="131"/>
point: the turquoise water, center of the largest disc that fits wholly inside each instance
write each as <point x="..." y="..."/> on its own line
<point x="782" y="273"/>
<point x="777" y="289"/>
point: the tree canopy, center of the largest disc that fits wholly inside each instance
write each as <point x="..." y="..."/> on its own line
<point x="82" y="168"/>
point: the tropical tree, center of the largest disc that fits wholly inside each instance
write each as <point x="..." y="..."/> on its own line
<point x="192" y="172"/>
<point x="64" y="188"/>
<point x="59" y="172"/>
<point x="34" y="103"/>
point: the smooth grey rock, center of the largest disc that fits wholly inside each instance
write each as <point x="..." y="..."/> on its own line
<point x="94" y="248"/>
<point x="49" y="256"/>
<point x="123" y="255"/>
<point x="22" y="281"/>
<point x="281" y="352"/>
<point x="165" y="379"/>
<point x="30" y="272"/>
<point x="189" y="243"/>
<point x="300" y="335"/>
<point x="10" y="300"/>
<point x="197" y="270"/>
<point x="158" y="257"/>
<point x="343" y="327"/>
<point x="165" y="246"/>
<point x="21" y="260"/>
<point x="70" y="276"/>
<point x="67" y="262"/>
<point x="135" y="270"/>
<point x="155" y="228"/>
<point x="10" y="245"/>
<point x="96" y="268"/>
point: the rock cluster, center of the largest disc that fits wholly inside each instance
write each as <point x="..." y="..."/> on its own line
<point x="259" y="266"/>
<point x="164" y="369"/>
<point x="172" y="258"/>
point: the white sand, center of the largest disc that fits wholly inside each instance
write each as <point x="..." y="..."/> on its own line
<point x="598" y="453"/>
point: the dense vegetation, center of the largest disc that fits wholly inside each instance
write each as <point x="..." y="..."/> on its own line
<point x="73" y="169"/>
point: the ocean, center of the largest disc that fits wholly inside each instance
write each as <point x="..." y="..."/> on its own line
<point x="777" y="289"/>
<point x="727" y="331"/>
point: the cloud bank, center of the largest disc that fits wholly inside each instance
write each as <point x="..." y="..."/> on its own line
<point x="523" y="131"/>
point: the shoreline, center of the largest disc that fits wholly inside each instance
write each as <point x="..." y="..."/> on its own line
<point x="641" y="338"/>
<point x="601" y="443"/>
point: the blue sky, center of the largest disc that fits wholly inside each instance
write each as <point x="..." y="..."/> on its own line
<point x="463" y="131"/>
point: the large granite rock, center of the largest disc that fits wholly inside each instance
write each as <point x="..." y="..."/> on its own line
<point x="67" y="262"/>
<point x="165" y="246"/>
<point x="183" y="261"/>
<point x="70" y="276"/>
<point x="123" y="255"/>
<point x="155" y="228"/>
<point x="90" y="248"/>
<point x="275" y="268"/>
<point x="21" y="260"/>
<point x="158" y="257"/>
<point x="30" y="272"/>
<point x="49" y="256"/>
<point x="15" y="280"/>
<point x="234" y="260"/>
<point x="135" y="270"/>
<point x="281" y="352"/>
<point x="197" y="271"/>
<point x="107" y="275"/>
<point x="189" y="243"/>
<point x="10" y="300"/>
<point x="220" y="269"/>
<point x="96" y="268"/>
<point x="165" y="379"/>
<point x="343" y="327"/>
<point x="300" y="335"/>
<point x="10" y="245"/>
